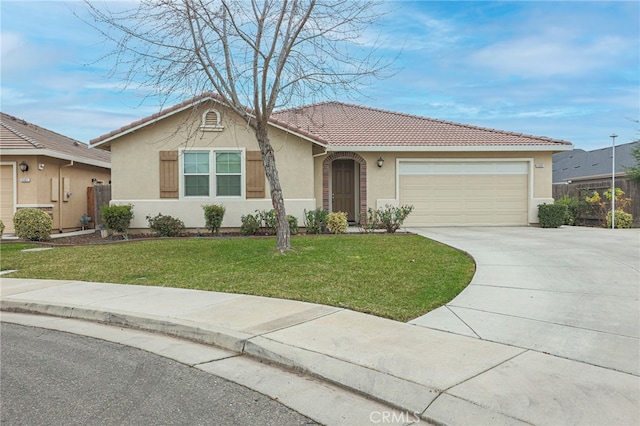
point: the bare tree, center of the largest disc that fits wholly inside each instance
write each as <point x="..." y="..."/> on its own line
<point x="256" y="55"/>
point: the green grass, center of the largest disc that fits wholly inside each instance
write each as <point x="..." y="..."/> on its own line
<point x="393" y="276"/>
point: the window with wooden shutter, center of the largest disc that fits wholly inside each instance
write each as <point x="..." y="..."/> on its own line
<point x="169" y="174"/>
<point x="255" y="175"/>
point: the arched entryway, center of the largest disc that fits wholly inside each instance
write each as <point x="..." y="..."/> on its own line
<point x="344" y="185"/>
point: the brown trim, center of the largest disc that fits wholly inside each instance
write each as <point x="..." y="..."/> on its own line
<point x="255" y="178"/>
<point x="169" y="174"/>
<point x="326" y="165"/>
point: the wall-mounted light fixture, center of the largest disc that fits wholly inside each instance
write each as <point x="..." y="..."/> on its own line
<point x="23" y="166"/>
<point x="41" y="166"/>
<point x="380" y="161"/>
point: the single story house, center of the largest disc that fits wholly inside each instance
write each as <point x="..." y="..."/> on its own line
<point x="578" y="172"/>
<point x="46" y="170"/>
<point x="329" y="155"/>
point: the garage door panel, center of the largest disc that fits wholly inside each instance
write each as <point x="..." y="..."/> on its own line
<point x="482" y="193"/>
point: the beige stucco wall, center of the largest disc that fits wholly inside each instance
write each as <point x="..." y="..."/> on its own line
<point x="382" y="182"/>
<point x="37" y="187"/>
<point x="136" y="175"/>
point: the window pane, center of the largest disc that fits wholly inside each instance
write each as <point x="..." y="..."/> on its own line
<point x="196" y="162"/>
<point x="196" y="185"/>
<point x="228" y="186"/>
<point x="228" y="162"/>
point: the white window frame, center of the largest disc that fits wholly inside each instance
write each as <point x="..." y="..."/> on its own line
<point x="213" y="173"/>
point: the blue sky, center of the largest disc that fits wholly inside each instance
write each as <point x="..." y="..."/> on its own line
<point x="564" y="69"/>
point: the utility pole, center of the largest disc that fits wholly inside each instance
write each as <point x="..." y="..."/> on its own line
<point x="613" y="181"/>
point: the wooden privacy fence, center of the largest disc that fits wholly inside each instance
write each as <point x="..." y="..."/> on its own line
<point x="98" y="197"/>
<point x="587" y="215"/>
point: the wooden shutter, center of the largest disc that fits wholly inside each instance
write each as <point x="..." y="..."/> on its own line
<point x="255" y="175"/>
<point x="169" y="178"/>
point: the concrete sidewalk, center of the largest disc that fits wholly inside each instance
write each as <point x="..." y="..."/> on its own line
<point x="440" y="375"/>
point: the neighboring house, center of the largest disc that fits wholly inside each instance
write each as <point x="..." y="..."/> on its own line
<point x="46" y="170"/>
<point x="331" y="155"/>
<point x="580" y="172"/>
<point x="580" y="165"/>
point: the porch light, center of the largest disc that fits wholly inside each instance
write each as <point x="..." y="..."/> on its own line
<point x="380" y="161"/>
<point x="24" y="166"/>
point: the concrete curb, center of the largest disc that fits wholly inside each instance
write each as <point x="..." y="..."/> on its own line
<point x="393" y="391"/>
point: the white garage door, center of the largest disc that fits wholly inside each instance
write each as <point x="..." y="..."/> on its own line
<point x="465" y="193"/>
<point x="6" y="197"/>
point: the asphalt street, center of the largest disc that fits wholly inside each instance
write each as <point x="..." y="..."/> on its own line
<point x="48" y="377"/>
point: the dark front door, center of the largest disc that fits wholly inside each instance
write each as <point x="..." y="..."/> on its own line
<point x="343" y="187"/>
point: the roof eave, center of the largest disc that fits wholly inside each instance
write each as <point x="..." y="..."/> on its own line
<point x="600" y="176"/>
<point x="58" y="155"/>
<point x="105" y="144"/>
<point x="450" y="148"/>
<point x="161" y="116"/>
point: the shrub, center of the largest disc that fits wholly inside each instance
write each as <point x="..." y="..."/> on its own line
<point x="250" y="225"/>
<point x="337" y="222"/>
<point x="316" y="221"/>
<point x="1" y="229"/>
<point x="32" y="224"/>
<point x="623" y="219"/>
<point x="293" y="224"/>
<point x="267" y="220"/>
<point x="166" y="226"/>
<point x="573" y="206"/>
<point x="213" y="215"/>
<point x="552" y="215"/>
<point x="118" y="218"/>
<point x="388" y="217"/>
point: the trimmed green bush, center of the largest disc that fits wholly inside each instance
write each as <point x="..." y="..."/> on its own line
<point x="623" y="219"/>
<point x="293" y="224"/>
<point x="266" y="221"/>
<point x="316" y="221"/>
<point x="337" y="222"/>
<point x="32" y="224"/>
<point x="213" y="215"/>
<point x="389" y="217"/>
<point x="552" y="215"/>
<point x="118" y="218"/>
<point x="250" y="225"/>
<point x="166" y="226"/>
<point x="573" y="206"/>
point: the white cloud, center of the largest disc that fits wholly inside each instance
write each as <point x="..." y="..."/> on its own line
<point x="554" y="52"/>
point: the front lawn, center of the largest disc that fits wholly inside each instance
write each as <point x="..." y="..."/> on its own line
<point x="393" y="276"/>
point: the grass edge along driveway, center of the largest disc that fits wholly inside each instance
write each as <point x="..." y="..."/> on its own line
<point x="393" y="276"/>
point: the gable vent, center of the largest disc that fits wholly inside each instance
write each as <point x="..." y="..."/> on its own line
<point x="211" y="121"/>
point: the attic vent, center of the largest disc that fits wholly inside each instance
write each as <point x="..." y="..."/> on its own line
<point x="211" y="121"/>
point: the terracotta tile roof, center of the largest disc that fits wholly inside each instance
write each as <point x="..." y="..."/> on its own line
<point x="351" y="125"/>
<point x="337" y="124"/>
<point x="17" y="134"/>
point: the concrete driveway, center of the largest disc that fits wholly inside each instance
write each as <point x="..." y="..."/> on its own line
<point x="572" y="292"/>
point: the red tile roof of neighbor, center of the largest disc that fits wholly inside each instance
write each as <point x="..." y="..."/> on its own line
<point x="338" y="125"/>
<point x="17" y="134"/>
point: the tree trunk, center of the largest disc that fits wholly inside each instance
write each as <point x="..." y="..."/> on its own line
<point x="268" y="159"/>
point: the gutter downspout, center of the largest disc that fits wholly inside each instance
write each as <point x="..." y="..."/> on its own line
<point x="61" y="194"/>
